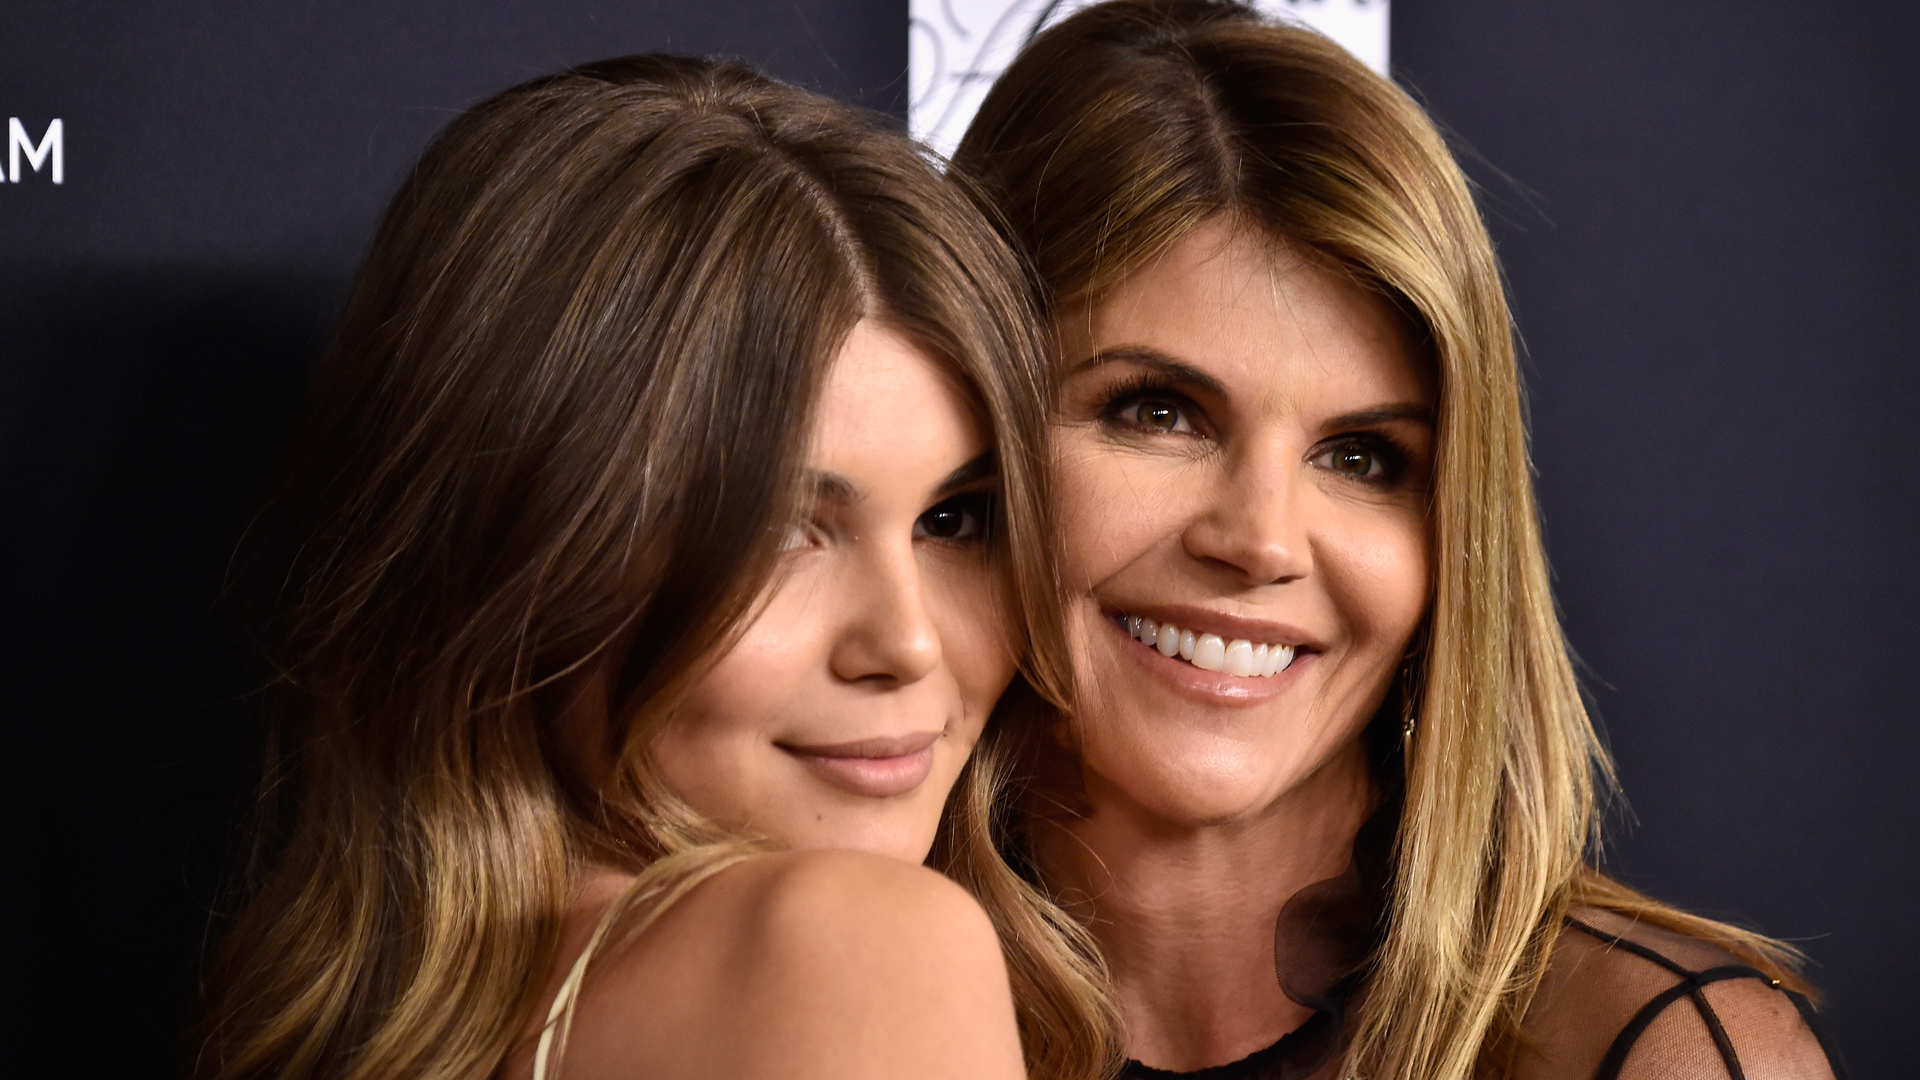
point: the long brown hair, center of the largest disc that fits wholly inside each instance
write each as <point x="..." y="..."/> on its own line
<point x="1114" y="135"/>
<point x="565" y="407"/>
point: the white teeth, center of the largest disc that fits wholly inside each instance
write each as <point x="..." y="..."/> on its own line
<point x="1240" y="657"/>
<point x="1209" y="652"/>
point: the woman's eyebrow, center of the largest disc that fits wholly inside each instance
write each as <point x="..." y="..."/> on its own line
<point x="837" y="488"/>
<point x="1383" y="414"/>
<point x="832" y="487"/>
<point x="981" y="467"/>
<point x="1173" y="368"/>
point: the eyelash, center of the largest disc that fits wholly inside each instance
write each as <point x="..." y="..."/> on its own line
<point x="1138" y="390"/>
<point x="1146" y="388"/>
<point x="1387" y="451"/>
<point x="979" y="506"/>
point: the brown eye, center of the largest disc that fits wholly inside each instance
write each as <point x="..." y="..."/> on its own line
<point x="963" y="517"/>
<point x="1354" y="460"/>
<point x="1158" y="415"/>
<point x="1369" y="460"/>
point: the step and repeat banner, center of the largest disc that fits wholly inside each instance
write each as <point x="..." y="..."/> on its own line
<point x="958" y="47"/>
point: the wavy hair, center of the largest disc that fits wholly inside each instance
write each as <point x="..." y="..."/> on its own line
<point x="566" y="408"/>
<point x="1113" y="135"/>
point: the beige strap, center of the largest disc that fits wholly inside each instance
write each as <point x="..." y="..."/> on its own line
<point x="664" y="884"/>
<point x="568" y="990"/>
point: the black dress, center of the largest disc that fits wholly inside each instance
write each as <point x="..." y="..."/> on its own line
<point x="1621" y="1001"/>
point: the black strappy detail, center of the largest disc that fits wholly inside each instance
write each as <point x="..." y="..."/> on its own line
<point x="1299" y="1054"/>
<point x="1690" y="987"/>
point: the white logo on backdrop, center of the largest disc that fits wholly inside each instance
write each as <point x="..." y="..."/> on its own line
<point x="956" y="48"/>
<point x="52" y="146"/>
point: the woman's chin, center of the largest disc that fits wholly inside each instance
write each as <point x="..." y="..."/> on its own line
<point x="891" y="831"/>
<point x="1198" y="791"/>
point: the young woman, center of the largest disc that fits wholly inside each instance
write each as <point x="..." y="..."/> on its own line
<point x="665" y="525"/>
<point x="1326" y="724"/>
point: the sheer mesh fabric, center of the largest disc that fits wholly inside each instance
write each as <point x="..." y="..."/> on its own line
<point x="1625" y="1001"/>
<point x="1621" y="1001"/>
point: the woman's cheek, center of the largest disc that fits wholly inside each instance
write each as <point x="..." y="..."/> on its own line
<point x="1079" y="488"/>
<point x="973" y="611"/>
<point x="1378" y="570"/>
<point x="1114" y="505"/>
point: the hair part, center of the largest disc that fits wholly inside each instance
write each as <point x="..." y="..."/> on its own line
<point x="1114" y="135"/>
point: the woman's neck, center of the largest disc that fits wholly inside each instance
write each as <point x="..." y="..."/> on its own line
<point x="1185" y="914"/>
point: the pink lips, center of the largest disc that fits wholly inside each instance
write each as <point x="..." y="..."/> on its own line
<point x="875" y="768"/>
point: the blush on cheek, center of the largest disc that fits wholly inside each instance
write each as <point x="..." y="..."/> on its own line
<point x="1380" y="578"/>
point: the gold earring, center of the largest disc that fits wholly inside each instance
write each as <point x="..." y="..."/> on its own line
<point x="1409" y="720"/>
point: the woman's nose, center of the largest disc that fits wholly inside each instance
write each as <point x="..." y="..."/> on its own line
<point x="1252" y="526"/>
<point x="888" y="634"/>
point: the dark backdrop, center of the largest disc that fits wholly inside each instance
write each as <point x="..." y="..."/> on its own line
<point x="1707" y="211"/>
<point x="1704" y="209"/>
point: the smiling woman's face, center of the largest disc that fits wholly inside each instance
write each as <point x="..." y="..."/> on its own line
<point x="1243" y="453"/>
<point x="843" y="714"/>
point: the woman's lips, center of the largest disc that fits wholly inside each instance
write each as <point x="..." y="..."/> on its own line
<point x="1210" y="687"/>
<point x="876" y="768"/>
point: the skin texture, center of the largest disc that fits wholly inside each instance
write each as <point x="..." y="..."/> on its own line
<point x="841" y="957"/>
<point x="1243" y="446"/>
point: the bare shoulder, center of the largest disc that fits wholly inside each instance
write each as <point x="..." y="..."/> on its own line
<point x="1625" y="1000"/>
<point x="798" y="898"/>
<point x="804" y="964"/>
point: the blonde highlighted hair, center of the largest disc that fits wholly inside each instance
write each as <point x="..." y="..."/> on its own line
<point x="1118" y="132"/>
<point x="567" y="407"/>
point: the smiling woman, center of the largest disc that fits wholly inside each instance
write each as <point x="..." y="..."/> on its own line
<point x="1326" y="792"/>
<point x="666" y="522"/>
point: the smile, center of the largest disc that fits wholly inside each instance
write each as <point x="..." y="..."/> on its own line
<point x="1210" y="652"/>
<point x="876" y="768"/>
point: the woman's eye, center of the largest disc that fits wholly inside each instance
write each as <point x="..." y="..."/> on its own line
<point x="1160" y="415"/>
<point x="963" y="517"/>
<point x="800" y="534"/>
<point x="1354" y="460"/>
<point x="1359" y="461"/>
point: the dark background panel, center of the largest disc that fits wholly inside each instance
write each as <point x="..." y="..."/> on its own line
<point x="1707" y="211"/>
<point x="225" y="166"/>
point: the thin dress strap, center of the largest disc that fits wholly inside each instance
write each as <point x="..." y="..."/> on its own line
<point x="1690" y="987"/>
<point x="663" y="884"/>
<point x="568" y="990"/>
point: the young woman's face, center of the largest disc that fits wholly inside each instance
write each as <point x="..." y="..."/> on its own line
<point x="842" y="716"/>
<point x="1243" y="453"/>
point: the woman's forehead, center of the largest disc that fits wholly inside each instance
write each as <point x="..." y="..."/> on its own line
<point x="890" y="416"/>
<point x="1247" y="308"/>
